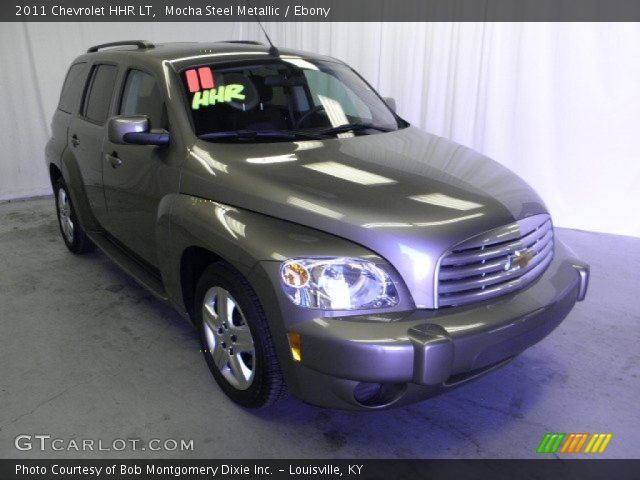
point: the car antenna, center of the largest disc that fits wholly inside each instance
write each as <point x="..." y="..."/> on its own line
<point x="273" y="51"/>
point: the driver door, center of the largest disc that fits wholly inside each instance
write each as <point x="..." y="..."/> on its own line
<point x="137" y="177"/>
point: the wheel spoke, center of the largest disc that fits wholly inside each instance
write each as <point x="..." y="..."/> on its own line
<point x="208" y="321"/>
<point x="222" y="306"/>
<point x="210" y="317"/>
<point x="220" y="357"/>
<point x="239" y="370"/>
<point x="210" y="338"/>
<point x="244" y="340"/>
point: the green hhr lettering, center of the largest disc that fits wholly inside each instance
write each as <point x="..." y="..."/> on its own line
<point x="234" y="92"/>
<point x="200" y="99"/>
<point x="222" y="94"/>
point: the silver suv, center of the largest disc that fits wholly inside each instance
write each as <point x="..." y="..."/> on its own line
<point x="319" y="243"/>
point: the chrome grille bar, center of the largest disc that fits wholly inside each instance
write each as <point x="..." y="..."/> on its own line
<point x="465" y="256"/>
<point x="496" y="262"/>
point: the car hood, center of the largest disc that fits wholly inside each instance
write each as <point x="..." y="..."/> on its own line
<point x="407" y="195"/>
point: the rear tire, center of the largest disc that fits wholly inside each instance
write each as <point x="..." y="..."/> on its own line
<point x="72" y="232"/>
<point x="235" y="338"/>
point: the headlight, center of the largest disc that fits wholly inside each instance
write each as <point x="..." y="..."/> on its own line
<point x="337" y="283"/>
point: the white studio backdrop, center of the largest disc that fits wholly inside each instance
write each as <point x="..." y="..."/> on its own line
<point x="35" y="58"/>
<point x="558" y="103"/>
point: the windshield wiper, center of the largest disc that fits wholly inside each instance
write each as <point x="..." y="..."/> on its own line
<point x="247" y="134"/>
<point x="353" y="127"/>
<point x="253" y="134"/>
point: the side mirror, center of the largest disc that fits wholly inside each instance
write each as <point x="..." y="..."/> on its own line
<point x="134" y="130"/>
<point x="391" y="102"/>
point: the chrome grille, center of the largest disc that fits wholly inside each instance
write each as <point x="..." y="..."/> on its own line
<point x="495" y="262"/>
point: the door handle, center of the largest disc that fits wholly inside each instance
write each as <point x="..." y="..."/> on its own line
<point x="113" y="160"/>
<point x="75" y="141"/>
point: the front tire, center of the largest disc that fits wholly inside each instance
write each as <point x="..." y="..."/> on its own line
<point x="235" y="338"/>
<point x="72" y="232"/>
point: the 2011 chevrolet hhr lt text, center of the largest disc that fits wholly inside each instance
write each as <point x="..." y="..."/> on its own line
<point x="320" y="244"/>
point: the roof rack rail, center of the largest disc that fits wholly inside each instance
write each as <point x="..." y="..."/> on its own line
<point x="247" y="42"/>
<point x="141" y="44"/>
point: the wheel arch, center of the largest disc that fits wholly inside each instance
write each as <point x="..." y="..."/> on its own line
<point x="70" y="173"/>
<point x="54" y="174"/>
<point x="193" y="262"/>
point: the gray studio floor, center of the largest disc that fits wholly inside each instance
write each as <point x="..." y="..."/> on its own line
<point x="86" y="353"/>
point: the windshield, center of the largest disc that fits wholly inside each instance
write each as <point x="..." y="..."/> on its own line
<point x="282" y="99"/>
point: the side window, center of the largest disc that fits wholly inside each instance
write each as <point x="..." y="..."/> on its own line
<point x="73" y="88"/>
<point x="98" y="100"/>
<point x="141" y="96"/>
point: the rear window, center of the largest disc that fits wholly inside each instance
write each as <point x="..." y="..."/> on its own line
<point x="100" y="92"/>
<point x="73" y="87"/>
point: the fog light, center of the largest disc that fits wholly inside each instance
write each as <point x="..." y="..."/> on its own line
<point x="374" y="395"/>
<point x="366" y="392"/>
<point x="294" y="343"/>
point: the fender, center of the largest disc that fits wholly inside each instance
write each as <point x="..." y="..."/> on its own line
<point x="240" y="237"/>
<point x="73" y="179"/>
<point x="243" y="239"/>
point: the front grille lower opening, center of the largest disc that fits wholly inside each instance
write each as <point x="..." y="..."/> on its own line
<point x="466" y="376"/>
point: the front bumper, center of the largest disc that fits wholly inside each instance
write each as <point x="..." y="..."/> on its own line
<point x="378" y="361"/>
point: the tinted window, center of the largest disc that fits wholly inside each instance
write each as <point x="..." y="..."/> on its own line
<point x="326" y="88"/>
<point x="142" y="96"/>
<point x="293" y="94"/>
<point x="73" y="87"/>
<point x="100" y="92"/>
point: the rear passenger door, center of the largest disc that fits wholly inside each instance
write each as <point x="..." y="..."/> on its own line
<point x="87" y="132"/>
<point x="137" y="177"/>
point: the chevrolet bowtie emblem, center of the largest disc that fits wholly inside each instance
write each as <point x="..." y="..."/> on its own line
<point x="519" y="259"/>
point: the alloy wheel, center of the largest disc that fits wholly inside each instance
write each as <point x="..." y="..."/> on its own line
<point x="228" y="338"/>
<point x="64" y="214"/>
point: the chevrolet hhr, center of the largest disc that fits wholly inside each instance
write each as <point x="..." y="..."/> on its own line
<point x="320" y="244"/>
